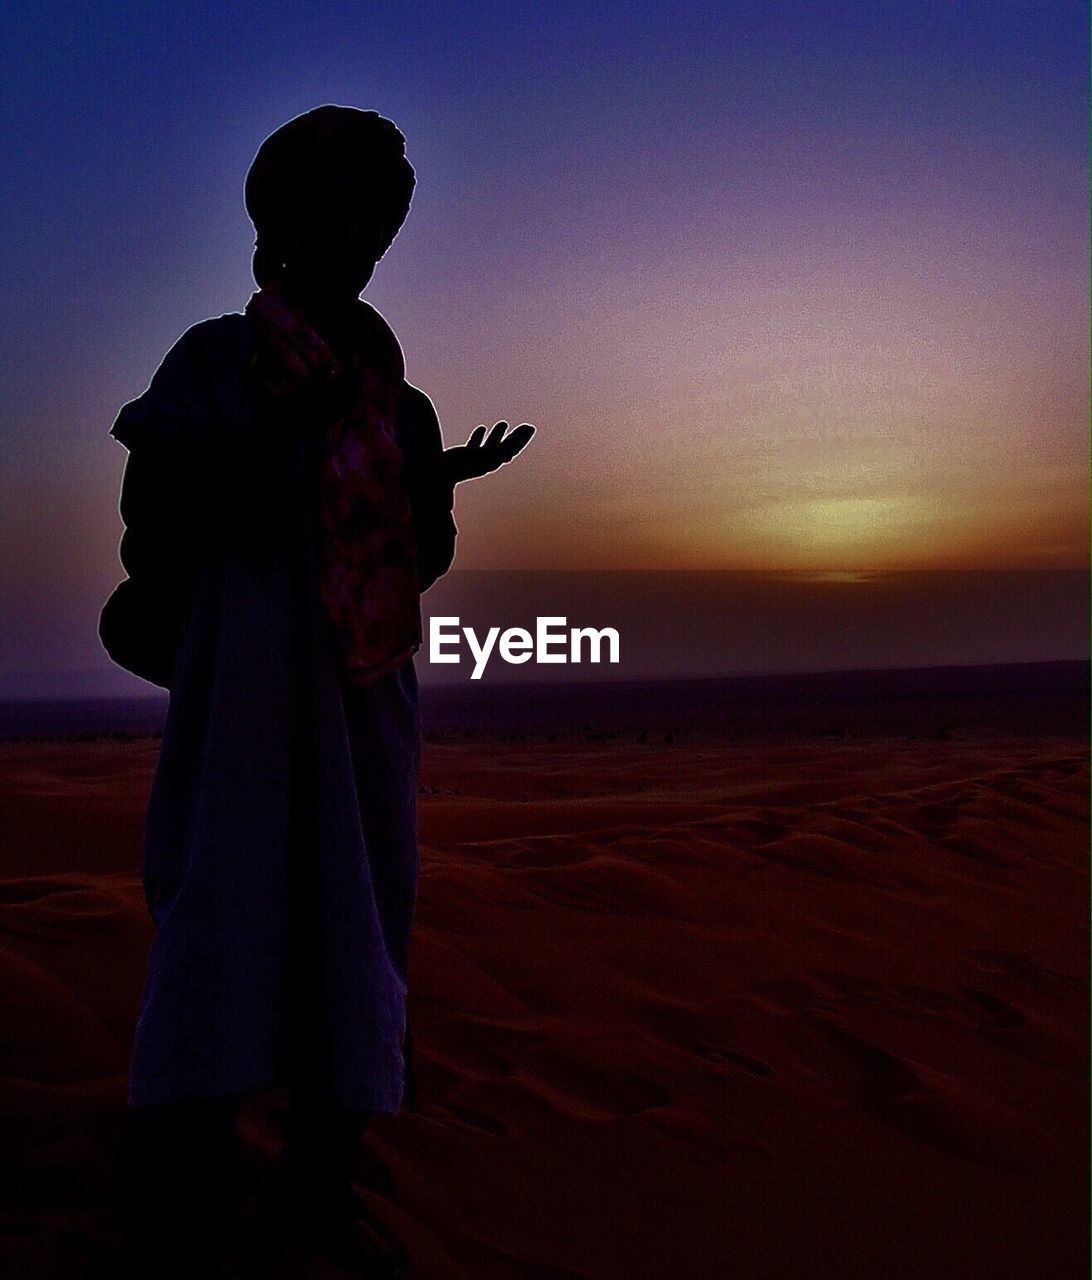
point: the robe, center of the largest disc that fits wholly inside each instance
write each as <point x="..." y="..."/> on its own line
<point x="280" y="857"/>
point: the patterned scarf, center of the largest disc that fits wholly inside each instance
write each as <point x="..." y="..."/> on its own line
<point x="368" y="578"/>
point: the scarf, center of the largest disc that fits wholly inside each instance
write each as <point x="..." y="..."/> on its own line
<point x="368" y="579"/>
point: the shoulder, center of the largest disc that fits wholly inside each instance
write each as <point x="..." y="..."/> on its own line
<point x="202" y="372"/>
<point x="211" y="339"/>
<point x="204" y="343"/>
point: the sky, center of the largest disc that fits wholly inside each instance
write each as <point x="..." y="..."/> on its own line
<point x="784" y="287"/>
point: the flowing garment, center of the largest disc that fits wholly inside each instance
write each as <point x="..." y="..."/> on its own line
<point x="280" y="847"/>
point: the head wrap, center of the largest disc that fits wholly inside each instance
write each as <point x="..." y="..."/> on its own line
<point x="322" y="157"/>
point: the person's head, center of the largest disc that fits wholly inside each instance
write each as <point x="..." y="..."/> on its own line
<point x="327" y="193"/>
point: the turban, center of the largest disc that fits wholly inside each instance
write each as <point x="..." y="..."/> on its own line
<point x="320" y="159"/>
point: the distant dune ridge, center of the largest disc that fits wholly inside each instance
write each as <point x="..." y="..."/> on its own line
<point x="773" y="980"/>
<point x="1022" y="697"/>
<point x="673" y="624"/>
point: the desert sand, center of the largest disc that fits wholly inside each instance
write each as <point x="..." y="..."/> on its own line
<point x="763" y="1008"/>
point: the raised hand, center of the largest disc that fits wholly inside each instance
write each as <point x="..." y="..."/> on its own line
<point x="484" y="453"/>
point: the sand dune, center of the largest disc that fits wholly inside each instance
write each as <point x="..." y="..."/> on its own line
<point x="741" y="1009"/>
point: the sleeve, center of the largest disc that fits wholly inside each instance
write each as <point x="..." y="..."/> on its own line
<point x="432" y="497"/>
<point x="164" y="430"/>
<point x="209" y="472"/>
<point x="193" y="487"/>
<point x="141" y="624"/>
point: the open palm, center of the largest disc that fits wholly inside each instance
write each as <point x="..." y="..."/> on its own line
<point x="483" y="453"/>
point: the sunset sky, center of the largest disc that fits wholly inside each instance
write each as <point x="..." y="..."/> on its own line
<point x="783" y="286"/>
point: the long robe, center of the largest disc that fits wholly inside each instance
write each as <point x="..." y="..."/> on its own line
<point x="280" y="848"/>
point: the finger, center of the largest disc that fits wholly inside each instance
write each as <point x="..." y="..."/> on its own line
<point x="476" y="436"/>
<point x="496" y="435"/>
<point x="513" y="443"/>
<point x="518" y="438"/>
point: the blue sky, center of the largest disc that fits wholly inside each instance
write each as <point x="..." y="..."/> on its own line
<point x="783" y="285"/>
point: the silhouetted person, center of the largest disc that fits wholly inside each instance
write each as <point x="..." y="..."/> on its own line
<point x="286" y="500"/>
